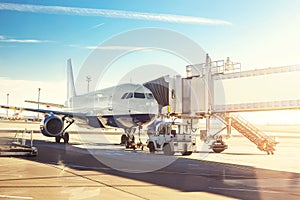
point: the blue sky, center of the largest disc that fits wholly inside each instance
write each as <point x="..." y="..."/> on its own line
<point x="36" y="39"/>
<point x="36" y="42"/>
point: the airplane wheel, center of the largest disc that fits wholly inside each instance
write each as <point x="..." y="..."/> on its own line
<point x="66" y="138"/>
<point x="123" y="139"/>
<point x="127" y="143"/>
<point x="57" y="139"/>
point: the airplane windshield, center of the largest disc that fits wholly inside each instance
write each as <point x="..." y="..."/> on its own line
<point x="139" y="95"/>
<point x="130" y="95"/>
<point x="124" y="96"/>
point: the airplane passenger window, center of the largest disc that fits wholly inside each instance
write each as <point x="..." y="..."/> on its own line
<point x="130" y="95"/>
<point x="149" y="96"/>
<point x="124" y="96"/>
<point x="139" y="95"/>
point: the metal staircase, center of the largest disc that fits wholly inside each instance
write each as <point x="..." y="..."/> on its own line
<point x="263" y="141"/>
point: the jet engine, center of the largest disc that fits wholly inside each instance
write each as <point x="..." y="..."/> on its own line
<point x="52" y="126"/>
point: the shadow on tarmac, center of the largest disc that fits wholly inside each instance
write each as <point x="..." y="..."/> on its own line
<point x="183" y="174"/>
<point x="242" y="154"/>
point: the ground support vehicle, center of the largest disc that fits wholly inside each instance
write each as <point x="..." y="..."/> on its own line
<point x="19" y="147"/>
<point x="171" y="137"/>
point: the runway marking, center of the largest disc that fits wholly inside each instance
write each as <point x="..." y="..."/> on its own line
<point x="87" y="167"/>
<point x="96" y="181"/>
<point x="246" y="168"/>
<point x="244" y="190"/>
<point x="14" y="197"/>
<point x="199" y="174"/>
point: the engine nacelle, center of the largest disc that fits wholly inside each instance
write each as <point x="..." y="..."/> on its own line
<point x="52" y="126"/>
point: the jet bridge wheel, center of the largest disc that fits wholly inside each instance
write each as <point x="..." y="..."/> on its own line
<point x="218" y="150"/>
<point x="219" y="146"/>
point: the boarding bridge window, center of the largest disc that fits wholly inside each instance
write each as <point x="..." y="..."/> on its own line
<point x="139" y="95"/>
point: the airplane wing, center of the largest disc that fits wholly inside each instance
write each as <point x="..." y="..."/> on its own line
<point x="55" y="112"/>
<point x="45" y="103"/>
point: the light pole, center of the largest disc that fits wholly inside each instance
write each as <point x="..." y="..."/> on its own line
<point x="39" y="94"/>
<point x="88" y="79"/>
<point x="7" y="102"/>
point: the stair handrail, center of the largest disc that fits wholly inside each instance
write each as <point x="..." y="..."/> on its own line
<point x="253" y="128"/>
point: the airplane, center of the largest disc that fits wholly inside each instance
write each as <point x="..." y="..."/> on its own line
<point x="46" y="103"/>
<point x="125" y="106"/>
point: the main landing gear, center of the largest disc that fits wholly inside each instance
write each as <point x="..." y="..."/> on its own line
<point x="65" y="135"/>
<point x="128" y="139"/>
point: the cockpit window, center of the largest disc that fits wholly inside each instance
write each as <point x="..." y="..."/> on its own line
<point x="130" y="95"/>
<point x="149" y="96"/>
<point x="124" y="96"/>
<point x="139" y="95"/>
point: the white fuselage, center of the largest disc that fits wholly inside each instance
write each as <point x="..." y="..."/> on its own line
<point x="124" y="105"/>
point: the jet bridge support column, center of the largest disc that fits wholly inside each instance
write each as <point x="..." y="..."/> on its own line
<point x="228" y="125"/>
<point x="218" y="145"/>
<point x="207" y="92"/>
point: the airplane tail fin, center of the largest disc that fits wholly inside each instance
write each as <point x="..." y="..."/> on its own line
<point x="71" y="86"/>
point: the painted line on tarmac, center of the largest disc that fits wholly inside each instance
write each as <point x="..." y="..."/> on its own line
<point x="96" y="181"/>
<point x="244" y="190"/>
<point x="14" y="197"/>
<point x="86" y="167"/>
<point x="199" y="174"/>
<point x="253" y="190"/>
<point x="246" y="168"/>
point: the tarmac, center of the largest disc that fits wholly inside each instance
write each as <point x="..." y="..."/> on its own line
<point x="94" y="166"/>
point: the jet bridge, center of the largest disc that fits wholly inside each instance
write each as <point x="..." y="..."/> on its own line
<point x="216" y="89"/>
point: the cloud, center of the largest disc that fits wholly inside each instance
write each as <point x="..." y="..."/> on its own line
<point x="97" y="25"/>
<point x="115" y="47"/>
<point x="12" y="40"/>
<point x="111" y="14"/>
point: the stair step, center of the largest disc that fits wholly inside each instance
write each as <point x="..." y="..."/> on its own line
<point x="248" y="130"/>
